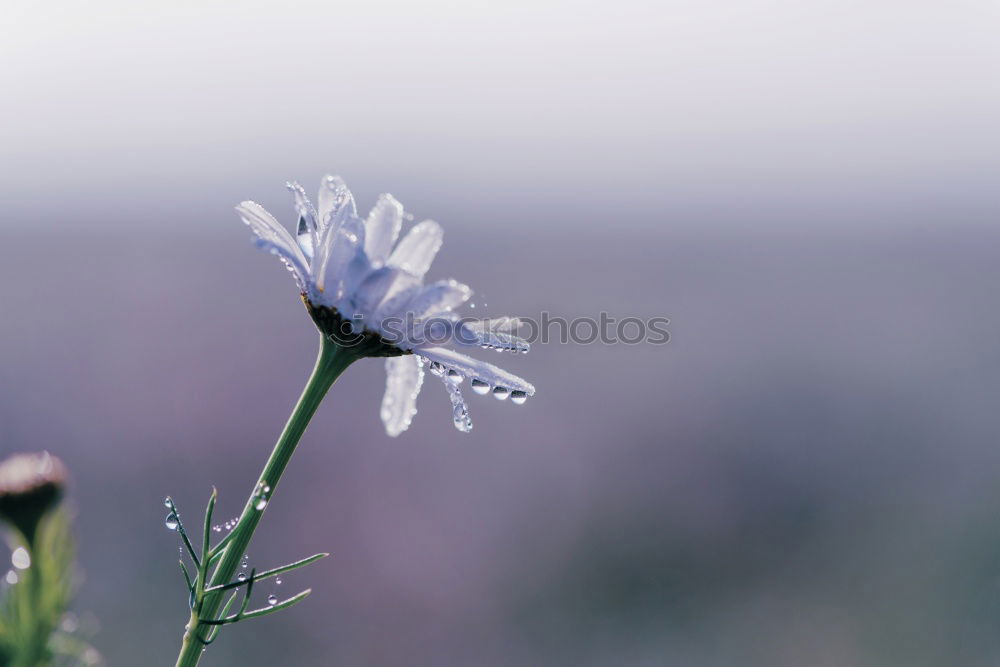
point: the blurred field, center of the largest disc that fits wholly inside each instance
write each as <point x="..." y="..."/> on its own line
<point x="806" y="474"/>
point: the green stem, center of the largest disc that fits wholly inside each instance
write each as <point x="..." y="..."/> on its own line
<point x="330" y="363"/>
<point x="33" y="650"/>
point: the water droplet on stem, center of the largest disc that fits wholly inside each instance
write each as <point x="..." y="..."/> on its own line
<point x="20" y="559"/>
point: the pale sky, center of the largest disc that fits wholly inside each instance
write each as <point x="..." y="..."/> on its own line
<point x="746" y="98"/>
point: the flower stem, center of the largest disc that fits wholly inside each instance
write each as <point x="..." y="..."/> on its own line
<point x="330" y="363"/>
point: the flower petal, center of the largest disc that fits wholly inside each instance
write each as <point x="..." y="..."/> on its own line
<point x="475" y="370"/>
<point x="417" y="249"/>
<point x="475" y="333"/>
<point x="382" y="228"/>
<point x="299" y="272"/>
<point x="501" y="324"/>
<point x="403" y="379"/>
<point x="383" y="291"/>
<point x="274" y="238"/>
<point x="307" y="228"/>
<point x="438" y="298"/>
<point x="334" y="199"/>
<point x="340" y="247"/>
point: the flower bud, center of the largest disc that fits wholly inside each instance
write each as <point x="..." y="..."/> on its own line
<point x="30" y="485"/>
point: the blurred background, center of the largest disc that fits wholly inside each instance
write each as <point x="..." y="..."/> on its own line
<point x="808" y="474"/>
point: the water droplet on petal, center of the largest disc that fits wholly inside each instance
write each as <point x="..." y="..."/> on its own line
<point x="304" y="236"/>
<point x="272" y="599"/>
<point x="455" y="376"/>
<point x="459" y="411"/>
<point x="518" y="397"/>
<point x="171" y="521"/>
<point x="480" y="387"/>
<point x="501" y="393"/>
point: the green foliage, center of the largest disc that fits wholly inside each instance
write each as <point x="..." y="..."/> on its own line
<point x="208" y="590"/>
<point x="32" y="608"/>
<point x="206" y="566"/>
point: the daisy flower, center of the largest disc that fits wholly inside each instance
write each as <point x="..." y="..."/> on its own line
<point x="364" y="288"/>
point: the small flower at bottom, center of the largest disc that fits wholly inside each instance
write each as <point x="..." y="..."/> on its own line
<point x="30" y="485"/>
<point x="365" y="291"/>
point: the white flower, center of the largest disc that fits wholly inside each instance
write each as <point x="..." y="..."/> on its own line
<point x="365" y="291"/>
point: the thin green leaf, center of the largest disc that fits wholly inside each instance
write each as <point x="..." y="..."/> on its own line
<point x="213" y="632"/>
<point x="205" y="542"/>
<point x="208" y="526"/>
<point x="184" y="537"/>
<point x="187" y="577"/>
<point x="243" y="607"/>
<point x="263" y="611"/>
<point x="285" y="604"/>
<point x="266" y="574"/>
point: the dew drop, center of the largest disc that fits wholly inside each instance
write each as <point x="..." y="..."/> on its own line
<point x="11" y="577"/>
<point x="267" y="489"/>
<point x="501" y="393"/>
<point x="272" y="599"/>
<point x="461" y="420"/>
<point x="20" y="559"/>
<point x="518" y="397"/>
<point x="261" y="504"/>
<point x="171" y="521"/>
<point x="242" y="576"/>
<point x="277" y="581"/>
<point x="455" y="376"/>
<point x="217" y="528"/>
<point x="436" y="368"/>
<point x="480" y="387"/>
<point x="167" y="502"/>
<point x="459" y="411"/>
